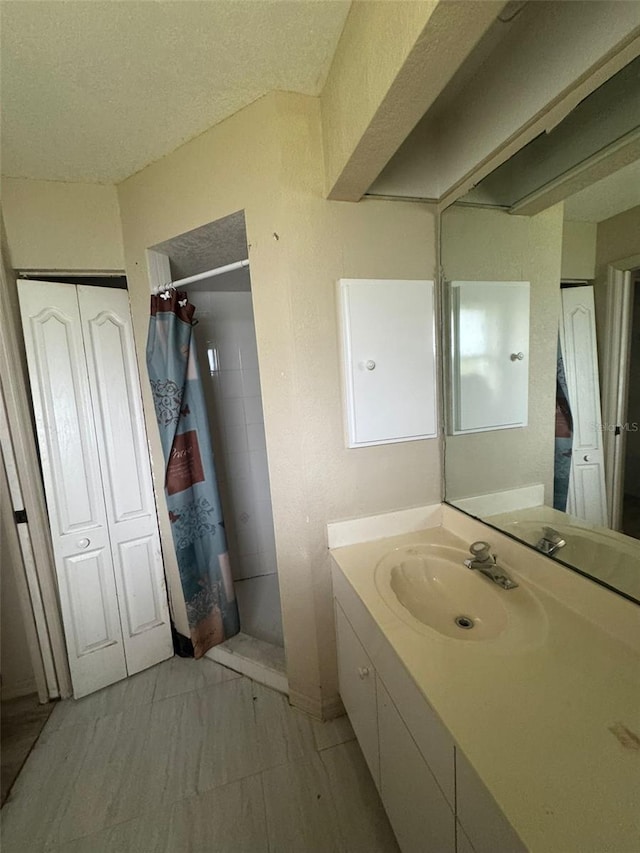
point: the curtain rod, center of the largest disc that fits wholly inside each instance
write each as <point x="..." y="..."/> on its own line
<point x="181" y="282"/>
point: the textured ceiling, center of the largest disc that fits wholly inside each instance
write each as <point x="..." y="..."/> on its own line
<point x="213" y="245"/>
<point x="94" y="90"/>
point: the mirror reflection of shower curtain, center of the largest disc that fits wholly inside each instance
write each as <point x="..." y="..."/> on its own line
<point x="564" y="437"/>
<point x="191" y="486"/>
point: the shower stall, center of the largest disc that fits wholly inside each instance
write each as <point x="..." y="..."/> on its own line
<point x="213" y="259"/>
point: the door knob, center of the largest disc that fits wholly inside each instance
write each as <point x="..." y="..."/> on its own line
<point x="363" y="671"/>
<point x="83" y="543"/>
<point x="587" y="458"/>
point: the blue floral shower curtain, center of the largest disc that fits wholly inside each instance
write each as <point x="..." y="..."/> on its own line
<point x="190" y="480"/>
<point x="564" y="437"/>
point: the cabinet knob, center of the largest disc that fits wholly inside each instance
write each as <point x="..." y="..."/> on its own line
<point x="517" y="356"/>
<point x="363" y="671"/>
<point x="370" y="364"/>
<point x="587" y="458"/>
<point x="83" y="543"/>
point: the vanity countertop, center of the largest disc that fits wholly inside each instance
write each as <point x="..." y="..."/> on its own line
<point x="552" y="730"/>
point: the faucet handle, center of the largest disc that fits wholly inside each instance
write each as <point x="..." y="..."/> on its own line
<point x="481" y="551"/>
<point x="553" y="536"/>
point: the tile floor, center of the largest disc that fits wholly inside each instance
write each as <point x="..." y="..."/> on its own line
<point x="189" y="756"/>
<point x="22" y="722"/>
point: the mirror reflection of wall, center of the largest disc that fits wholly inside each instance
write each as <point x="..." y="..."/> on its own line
<point x="564" y="215"/>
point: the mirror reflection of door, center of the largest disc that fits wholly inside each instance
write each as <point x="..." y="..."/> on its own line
<point x="586" y="498"/>
<point x="631" y="425"/>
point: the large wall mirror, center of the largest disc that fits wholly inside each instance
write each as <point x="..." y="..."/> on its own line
<point x="541" y="302"/>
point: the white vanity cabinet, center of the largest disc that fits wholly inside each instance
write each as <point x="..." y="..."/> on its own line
<point x="435" y="801"/>
<point x="420" y="816"/>
<point x="357" y="678"/>
<point x="479" y="816"/>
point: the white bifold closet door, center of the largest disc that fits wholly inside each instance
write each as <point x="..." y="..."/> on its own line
<point x="95" y="463"/>
<point x="587" y="498"/>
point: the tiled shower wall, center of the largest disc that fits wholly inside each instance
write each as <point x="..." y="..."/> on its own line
<point x="226" y="333"/>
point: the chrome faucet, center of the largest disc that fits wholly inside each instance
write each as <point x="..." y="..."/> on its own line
<point x="484" y="561"/>
<point x="550" y="542"/>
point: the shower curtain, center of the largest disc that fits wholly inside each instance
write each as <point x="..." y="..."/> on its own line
<point x="564" y="437"/>
<point x="190" y="480"/>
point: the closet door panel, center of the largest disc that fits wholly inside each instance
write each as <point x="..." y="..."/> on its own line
<point x="141" y="599"/>
<point x="72" y="479"/>
<point x="68" y="445"/>
<point x="124" y="460"/>
<point x="90" y="591"/>
<point x="108" y="351"/>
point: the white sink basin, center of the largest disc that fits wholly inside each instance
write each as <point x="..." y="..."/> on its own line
<point x="608" y="556"/>
<point x="430" y="588"/>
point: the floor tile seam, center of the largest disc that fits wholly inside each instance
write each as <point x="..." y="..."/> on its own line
<point x="171" y="805"/>
<point x="333" y="745"/>
<point x="107" y="827"/>
<point x="198" y="689"/>
<point x="308" y="740"/>
<point x="200" y="791"/>
<point x="154" y="697"/>
<point x="254" y="697"/>
<point x="94" y="719"/>
<point x="341" y="838"/>
<point x="270" y="844"/>
<point x="335" y="822"/>
<point x="109" y="824"/>
<point x="125" y="709"/>
<point x="288" y="760"/>
<point x="44" y="746"/>
<point x="264" y="813"/>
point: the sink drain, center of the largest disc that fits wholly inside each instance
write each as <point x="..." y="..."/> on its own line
<point x="465" y="622"/>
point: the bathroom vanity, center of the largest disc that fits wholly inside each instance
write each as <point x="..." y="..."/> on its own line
<point x="519" y="733"/>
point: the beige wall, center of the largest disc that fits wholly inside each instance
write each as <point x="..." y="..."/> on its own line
<point x="618" y="238"/>
<point x="15" y="660"/>
<point x="57" y="226"/>
<point x="579" y="250"/>
<point x="267" y="160"/>
<point x="17" y="672"/>
<point x="488" y="245"/>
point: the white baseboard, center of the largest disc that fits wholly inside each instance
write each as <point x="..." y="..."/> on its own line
<point x="321" y="709"/>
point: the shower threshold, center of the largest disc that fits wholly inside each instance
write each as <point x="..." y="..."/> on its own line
<point x="263" y="662"/>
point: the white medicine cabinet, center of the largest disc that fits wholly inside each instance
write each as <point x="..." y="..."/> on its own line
<point x="388" y="360"/>
<point x="489" y="355"/>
